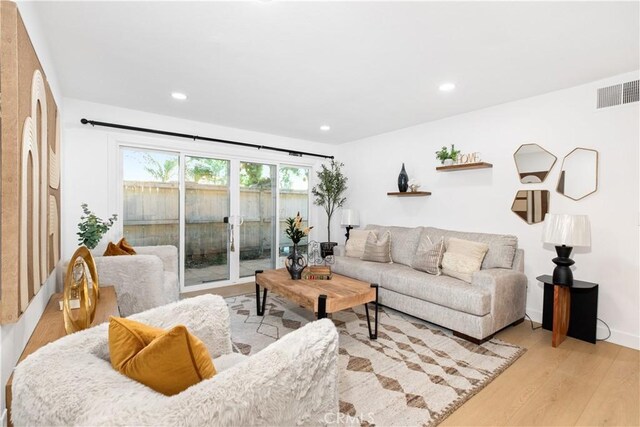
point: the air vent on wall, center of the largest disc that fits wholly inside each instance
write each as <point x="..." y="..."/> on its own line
<point x="623" y="93"/>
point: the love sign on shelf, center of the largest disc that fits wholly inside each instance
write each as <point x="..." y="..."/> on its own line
<point x="468" y="158"/>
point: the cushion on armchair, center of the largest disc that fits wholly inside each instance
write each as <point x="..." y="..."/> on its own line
<point x="167" y="361"/>
<point x="121" y="248"/>
<point x="114" y="250"/>
<point x="125" y="246"/>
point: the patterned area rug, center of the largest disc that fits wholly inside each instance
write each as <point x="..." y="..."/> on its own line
<point x="414" y="374"/>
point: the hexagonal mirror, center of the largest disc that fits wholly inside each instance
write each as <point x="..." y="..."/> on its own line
<point x="531" y="205"/>
<point x="579" y="174"/>
<point x="533" y="163"/>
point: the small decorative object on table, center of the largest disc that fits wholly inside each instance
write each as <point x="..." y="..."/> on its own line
<point x="77" y="287"/>
<point x="403" y="180"/>
<point x="414" y="185"/>
<point x="447" y="157"/>
<point x="317" y="272"/>
<point x="295" y="262"/>
<point x="314" y="255"/>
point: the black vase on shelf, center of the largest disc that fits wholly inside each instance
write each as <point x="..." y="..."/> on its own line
<point x="403" y="180"/>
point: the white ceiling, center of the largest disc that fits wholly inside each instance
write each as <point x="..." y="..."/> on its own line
<point x="362" y="67"/>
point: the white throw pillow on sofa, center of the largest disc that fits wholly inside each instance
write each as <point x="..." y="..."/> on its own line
<point x="354" y="247"/>
<point x="463" y="258"/>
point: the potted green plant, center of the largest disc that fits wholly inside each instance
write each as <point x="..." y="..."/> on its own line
<point x="329" y="195"/>
<point x="93" y="228"/>
<point x="295" y="262"/>
<point x="447" y="157"/>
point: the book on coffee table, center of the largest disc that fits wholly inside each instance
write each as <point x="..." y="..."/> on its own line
<point x="317" y="272"/>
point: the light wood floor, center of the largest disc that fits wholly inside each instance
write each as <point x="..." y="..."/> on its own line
<point x="577" y="383"/>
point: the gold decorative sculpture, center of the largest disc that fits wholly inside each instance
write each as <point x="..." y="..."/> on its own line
<point x="77" y="286"/>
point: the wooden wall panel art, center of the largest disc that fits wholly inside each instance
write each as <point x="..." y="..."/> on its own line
<point x="30" y="160"/>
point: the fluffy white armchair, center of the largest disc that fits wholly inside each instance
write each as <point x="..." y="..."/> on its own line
<point x="291" y="382"/>
<point x="143" y="281"/>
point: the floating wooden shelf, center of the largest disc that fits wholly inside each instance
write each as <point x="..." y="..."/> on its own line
<point x="465" y="166"/>
<point x="410" y="194"/>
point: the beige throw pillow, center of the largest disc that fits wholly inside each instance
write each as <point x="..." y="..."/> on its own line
<point x="377" y="250"/>
<point x="354" y="247"/>
<point x="463" y="258"/>
<point x="428" y="256"/>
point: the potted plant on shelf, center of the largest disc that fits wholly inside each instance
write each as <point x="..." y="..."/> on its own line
<point x="92" y="228"/>
<point x="447" y="157"/>
<point x="295" y="262"/>
<point x="329" y="195"/>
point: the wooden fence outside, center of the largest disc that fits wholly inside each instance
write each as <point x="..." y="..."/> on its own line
<point x="152" y="212"/>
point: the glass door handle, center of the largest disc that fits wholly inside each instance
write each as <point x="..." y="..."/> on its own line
<point x="232" y="243"/>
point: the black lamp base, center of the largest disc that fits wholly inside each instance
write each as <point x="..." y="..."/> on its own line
<point x="349" y="228"/>
<point x="562" y="274"/>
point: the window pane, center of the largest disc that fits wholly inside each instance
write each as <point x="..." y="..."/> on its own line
<point x="257" y="205"/>
<point x="151" y="197"/>
<point x="206" y="234"/>
<point x="294" y="198"/>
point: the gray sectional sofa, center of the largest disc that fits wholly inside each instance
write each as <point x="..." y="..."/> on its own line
<point x="494" y="299"/>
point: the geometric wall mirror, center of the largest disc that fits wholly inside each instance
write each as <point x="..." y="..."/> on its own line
<point x="533" y="163"/>
<point x="579" y="174"/>
<point x="531" y="205"/>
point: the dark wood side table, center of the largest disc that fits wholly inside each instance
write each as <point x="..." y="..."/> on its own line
<point x="570" y="310"/>
<point x="50" y="327"/>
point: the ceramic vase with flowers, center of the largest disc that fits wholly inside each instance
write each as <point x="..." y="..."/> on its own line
<point x="295" y="262"/>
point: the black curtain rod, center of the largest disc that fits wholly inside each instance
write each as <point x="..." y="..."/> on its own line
<point x="202" y="138"/>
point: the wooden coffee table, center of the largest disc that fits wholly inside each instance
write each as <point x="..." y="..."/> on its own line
<point x="321" y="296"/>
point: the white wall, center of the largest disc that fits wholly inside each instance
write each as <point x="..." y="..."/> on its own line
<point x="90" y="159"/>
<point x="14" y="337"/>
<point x="480" y="200"/>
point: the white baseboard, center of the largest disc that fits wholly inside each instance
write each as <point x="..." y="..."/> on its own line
<point x="617" y="337"/>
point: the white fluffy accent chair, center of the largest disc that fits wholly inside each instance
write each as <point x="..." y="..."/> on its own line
<point x="143" y="281"/>
<point x="291" y="382"/>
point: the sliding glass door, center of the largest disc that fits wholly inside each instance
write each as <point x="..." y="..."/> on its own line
<point x="225" y="216"/>
<point x="206" y="236"/>
<point x="257" y="213"/>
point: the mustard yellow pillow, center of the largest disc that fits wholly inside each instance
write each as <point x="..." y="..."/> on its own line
<point x="167" y="361"/>
<point x="114" y="250"/>
<point x="125" y="246"/>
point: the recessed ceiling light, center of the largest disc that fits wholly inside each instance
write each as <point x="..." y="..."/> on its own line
<point x="447" y="87"/>
<point x="325" y="128"/>
<point x="179" y="96"/>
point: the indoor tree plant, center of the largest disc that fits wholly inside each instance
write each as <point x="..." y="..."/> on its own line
<point x="332" y="184"/>
<point x="443" y="155"/>
<point x="93" y="228"/>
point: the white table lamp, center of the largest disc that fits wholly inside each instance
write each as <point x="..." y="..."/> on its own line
<point x="350" y="219"/>
<point x="565" y="232"/>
